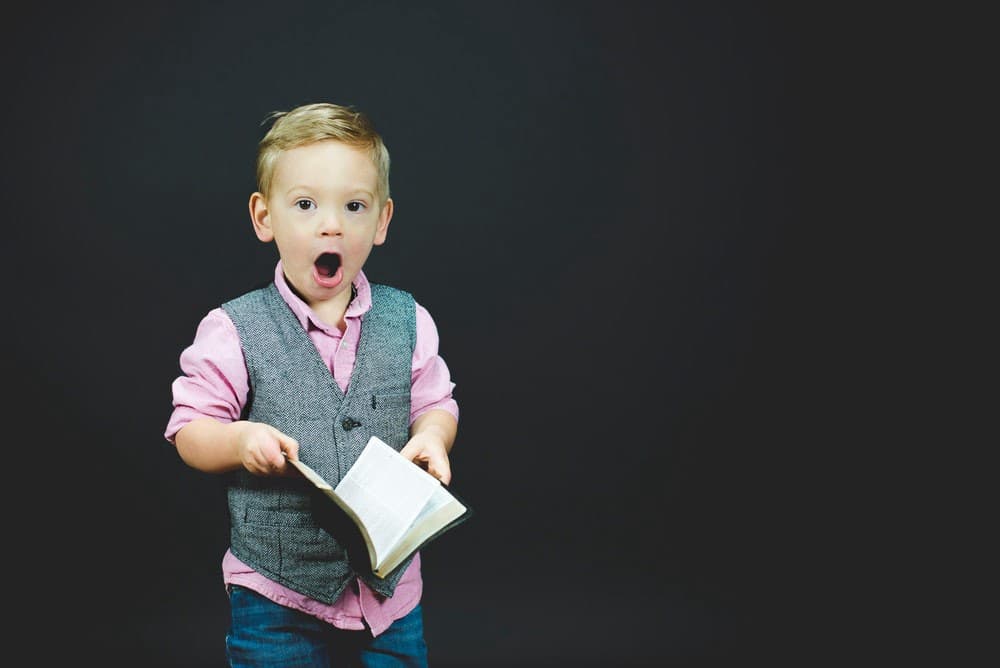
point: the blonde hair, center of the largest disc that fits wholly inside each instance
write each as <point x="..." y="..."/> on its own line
<point x="321" y="121"/>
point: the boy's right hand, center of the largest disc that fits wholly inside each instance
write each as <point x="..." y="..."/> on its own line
<point x="262" y="449"/>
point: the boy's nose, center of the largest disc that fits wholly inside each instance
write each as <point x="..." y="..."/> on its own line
<point x="330" y="225"/>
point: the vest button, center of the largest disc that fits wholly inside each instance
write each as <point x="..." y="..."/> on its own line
<point x="349" y="424"/>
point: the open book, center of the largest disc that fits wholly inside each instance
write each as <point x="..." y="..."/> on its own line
<point x="398" y="506"/>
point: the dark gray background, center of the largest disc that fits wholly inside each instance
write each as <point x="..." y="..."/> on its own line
<point x="601" y="205"/>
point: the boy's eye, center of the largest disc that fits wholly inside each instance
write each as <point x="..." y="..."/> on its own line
<point x="304" y="204"/>
<point x="354" y="207"/>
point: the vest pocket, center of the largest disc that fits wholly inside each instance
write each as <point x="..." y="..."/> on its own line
<point x="390" y="401"/>
<point x="287" y="539"/>
<point x="391" y="418"/>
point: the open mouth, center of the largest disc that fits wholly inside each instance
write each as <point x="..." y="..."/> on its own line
<point x="327" y="264"/>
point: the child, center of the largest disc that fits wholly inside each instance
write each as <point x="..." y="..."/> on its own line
<point x="312" y="365"/>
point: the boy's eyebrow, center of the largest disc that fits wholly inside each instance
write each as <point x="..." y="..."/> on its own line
<point x="362" y="190"/>
<point x="347" y="191"/>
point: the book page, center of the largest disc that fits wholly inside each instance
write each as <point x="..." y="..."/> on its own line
<point x="323" y="485"/>
<point x="441" y="509"/>
<point x="386" y="492"/>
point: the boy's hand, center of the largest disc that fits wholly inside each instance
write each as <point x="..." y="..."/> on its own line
<point x="427" y="450"/>
<point x="262" y="449"/>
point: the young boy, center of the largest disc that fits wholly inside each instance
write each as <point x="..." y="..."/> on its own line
<point x="312" y="365"/>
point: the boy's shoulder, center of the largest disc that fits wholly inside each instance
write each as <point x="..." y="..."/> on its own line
<point x="391" y="301"/>
<point x="389" y="291"/>
<point x="255" y="294"/>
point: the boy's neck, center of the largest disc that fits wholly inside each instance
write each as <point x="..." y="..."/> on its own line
<point x="332" y="311"/>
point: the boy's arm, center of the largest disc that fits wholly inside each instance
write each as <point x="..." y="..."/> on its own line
<point x="431" y="437"/>
<point x="216" y="447"/>
<point x="209" y="398"/>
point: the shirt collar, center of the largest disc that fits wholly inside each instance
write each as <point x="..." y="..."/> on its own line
<point x="359" y="305"/>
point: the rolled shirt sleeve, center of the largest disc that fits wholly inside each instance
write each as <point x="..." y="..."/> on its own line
<point x="214" y="380"/>
<point x="430" y="383"/>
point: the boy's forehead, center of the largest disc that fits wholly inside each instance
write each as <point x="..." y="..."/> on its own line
<point x="324" y="160"/>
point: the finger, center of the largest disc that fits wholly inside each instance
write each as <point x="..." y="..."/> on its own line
<point x="258" y="465"/>
<point x="290" y="447"/>
<point x="279" y="449"/>
<point x="268" y="461"/>
<point x="410" y="451"/>
<point x="440" y="468"/>
<point x="273" y="457"/>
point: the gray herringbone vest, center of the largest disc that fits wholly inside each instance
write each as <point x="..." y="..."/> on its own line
<point x="280" y="526"/>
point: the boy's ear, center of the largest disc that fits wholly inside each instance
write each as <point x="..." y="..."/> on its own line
<point x="383" y="222"/>
<point x="260" y="217"/>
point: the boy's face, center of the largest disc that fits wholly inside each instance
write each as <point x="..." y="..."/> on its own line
<point x="323" y="216"/>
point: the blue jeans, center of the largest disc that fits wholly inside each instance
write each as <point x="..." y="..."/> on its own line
<point x="263" y="633"/>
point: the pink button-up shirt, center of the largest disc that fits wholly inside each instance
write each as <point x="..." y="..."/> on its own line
<point x="215" y="384"/>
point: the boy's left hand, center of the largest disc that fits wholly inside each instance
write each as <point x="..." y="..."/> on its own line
<point x="428" y="451"/>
